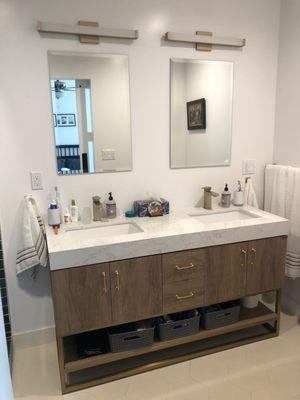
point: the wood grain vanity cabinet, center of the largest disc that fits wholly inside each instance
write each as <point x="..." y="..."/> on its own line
<point x="98" y="296"/>
<point x="82" y="299"/>
<point x="136" y="287"/>
<point x="183" y="280"/>
<point x="226" y="272"/>
<point x="265" y="264"/>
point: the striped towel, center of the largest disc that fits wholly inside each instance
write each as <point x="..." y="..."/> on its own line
<point x="282" y="197"/>
<point x="32" y="247"/>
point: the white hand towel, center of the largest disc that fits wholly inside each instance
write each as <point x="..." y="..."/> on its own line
<point x="249" y="194"/>
<point x="276" y="186"/>
<point x="32" y="247"/>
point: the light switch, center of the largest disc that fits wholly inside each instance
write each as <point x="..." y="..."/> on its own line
<point x="248" y="167"/>
<point x="108" y="154"/>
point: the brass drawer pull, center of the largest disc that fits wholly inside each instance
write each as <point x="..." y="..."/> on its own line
<point x="253" y="251"/>
<point x="104" y="282"/>
<point x="244" y="252"/>
<point x="118" y="280"/>
<point x="181" y="268"/>
<point x="188" y="296"/>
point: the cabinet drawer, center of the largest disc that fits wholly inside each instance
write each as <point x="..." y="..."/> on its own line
<point x="184" y="265"/>
<point x="180" y="296"/>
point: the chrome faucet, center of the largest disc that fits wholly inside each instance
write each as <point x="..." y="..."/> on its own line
<point x="98" y="209"/>
<point x="207" y="197"/>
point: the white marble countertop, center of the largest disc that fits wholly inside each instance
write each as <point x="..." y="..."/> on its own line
<point x="174" y="232"/>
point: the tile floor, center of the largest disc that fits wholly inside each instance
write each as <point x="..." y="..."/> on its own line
<point x="264" y="370"/>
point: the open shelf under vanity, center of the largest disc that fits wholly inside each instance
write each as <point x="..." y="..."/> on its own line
<point x="254" y="324"/>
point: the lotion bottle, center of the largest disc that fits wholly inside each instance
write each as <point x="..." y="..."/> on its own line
<point x="111" y="207"/>
<point x="226" y="197"/>
<point x="74" y="211"/>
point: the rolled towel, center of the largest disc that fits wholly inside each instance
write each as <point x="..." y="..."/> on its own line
<point x="32" y="246"/>
<point x="249" y="194"/>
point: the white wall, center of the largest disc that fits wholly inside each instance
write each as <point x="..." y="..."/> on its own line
<point x="25" y="92"/>
<point x="287" y="128"/>
<point x="287" y="133"/>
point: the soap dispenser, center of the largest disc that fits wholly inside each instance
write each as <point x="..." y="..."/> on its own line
<point x="226" y="197"/>
<point x="111" y="207"/>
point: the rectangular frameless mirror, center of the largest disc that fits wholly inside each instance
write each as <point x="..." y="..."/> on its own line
<point x="91" y="112"/>
<point x="201" y="113"/>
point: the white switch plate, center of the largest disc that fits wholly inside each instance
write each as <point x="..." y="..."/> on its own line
<point x="36" y="180"/>
<point x="248" y="167"/>
<point x="108" y="154"/>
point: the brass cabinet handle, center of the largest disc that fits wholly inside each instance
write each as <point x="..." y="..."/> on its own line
<point x="244" y="252"/>
<point x="183" y="267"/>
<point x="188" y="296"/>
<point x="253" y="251"/>
<point x="104" y="282"/>
<point x="118" y="280"/>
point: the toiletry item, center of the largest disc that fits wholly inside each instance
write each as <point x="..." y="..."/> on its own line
<point x="74" y="211"/>
<point x="53" y="214"/>
<point x="238" y="195"/>
<point x="141" y="207"/>
<point x="55" y="229"/>
<point x="86" y="216"/>
<point x="165" y="206"/>
<point x="111" y="207"/>
<point x="225" y="197"/>
<point x="155" y="209"/>
<point x="58" y="202"/>
<point x="67" y="217"/>
<point x="98" y="209"/>
<point x="130" y="214"/>
<point x="250" y="301"/>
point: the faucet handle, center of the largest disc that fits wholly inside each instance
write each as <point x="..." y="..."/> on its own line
<point x="208" y="190"/>
<point x="96" y="200"/>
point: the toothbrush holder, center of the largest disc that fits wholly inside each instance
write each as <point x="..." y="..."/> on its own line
<point x="238" y="198"/>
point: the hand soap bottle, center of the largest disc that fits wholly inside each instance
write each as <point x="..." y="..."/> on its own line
<point x="111" y="207"/>
<point x="226" y="197"/>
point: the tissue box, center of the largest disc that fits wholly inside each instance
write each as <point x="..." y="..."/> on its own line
<point x="141" y="207"/>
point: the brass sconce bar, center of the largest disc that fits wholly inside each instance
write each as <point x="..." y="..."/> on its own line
<point x="204" y="40"/>
<point x="87" y="31"/>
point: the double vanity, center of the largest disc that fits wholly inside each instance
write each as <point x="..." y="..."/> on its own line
<point x="106" y="274"/>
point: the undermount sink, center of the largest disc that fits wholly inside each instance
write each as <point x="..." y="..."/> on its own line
<point x="226" y="216"/>
<point x="83" y="233"/>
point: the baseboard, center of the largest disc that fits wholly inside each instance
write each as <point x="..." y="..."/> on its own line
<point x="33" y="338"/>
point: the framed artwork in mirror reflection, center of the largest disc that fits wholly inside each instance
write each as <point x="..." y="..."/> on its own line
<point x="196" y="114"/>
<point x="65" y="120"/>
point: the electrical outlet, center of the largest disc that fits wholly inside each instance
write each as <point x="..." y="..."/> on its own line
<point x="248" y="167"/>
<point x="36" y="180"/>
<point x="108" y="154"/>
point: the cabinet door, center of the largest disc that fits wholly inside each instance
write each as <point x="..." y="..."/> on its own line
<point x="266" y="259"/>
<point x="226" y="272"/>
<point x="82" y="300"/>
<point x="136" y="287"/>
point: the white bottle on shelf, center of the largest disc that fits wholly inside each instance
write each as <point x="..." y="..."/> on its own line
<point x="74" y="211"/>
